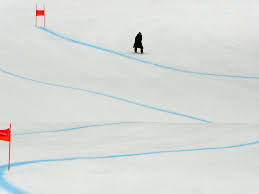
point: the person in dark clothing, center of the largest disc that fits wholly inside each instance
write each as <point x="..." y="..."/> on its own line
<point x="138" y="42"/>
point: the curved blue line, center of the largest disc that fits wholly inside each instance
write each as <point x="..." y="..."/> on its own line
<point x="13" y="189"/>
<point x="106" y="95"/>
<point x="73" y="128"/>
<point x="145" y="61"/>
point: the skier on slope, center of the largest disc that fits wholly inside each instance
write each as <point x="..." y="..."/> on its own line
<point x="138" y="43"/>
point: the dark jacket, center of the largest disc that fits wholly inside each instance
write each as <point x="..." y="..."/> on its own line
<point x="138" y="41"/>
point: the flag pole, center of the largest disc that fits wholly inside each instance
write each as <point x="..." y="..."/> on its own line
<point x="9" y="149"/>
<point x="44" y="15"/>
<point x="36" y="16"/>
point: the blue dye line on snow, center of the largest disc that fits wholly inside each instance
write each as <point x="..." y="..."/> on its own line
<point x="13" y="189"/>
<point x="106" y="95"/>
<point x="145" y="61"/>
<point x="73" y="128"/>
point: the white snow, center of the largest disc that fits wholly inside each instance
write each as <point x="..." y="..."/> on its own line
<point x="55" y="122"/>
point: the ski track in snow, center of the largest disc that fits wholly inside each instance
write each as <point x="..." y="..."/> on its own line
<point x="13" y="189"/>
<point x="73" y="128"/>
<point x="16" y="190"/>
<point x="106" y="95"/>
<point x="145" y="61"/>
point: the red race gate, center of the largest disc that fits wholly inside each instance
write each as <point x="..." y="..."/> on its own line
<point x="40" y="13"/>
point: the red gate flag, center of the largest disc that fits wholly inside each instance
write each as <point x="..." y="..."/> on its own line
<point x="5" y="135"/>
<point x="40" y="12"/>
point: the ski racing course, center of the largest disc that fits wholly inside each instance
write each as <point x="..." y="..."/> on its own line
<point x="89" y="115"/>
<point x="14" y="189"/>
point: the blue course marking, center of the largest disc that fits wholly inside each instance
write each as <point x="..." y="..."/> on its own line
<point x="106" y="95"/>
<point x="145" y="61"/>
<point x="73" y="128"/>
<point x="13" y="189"/>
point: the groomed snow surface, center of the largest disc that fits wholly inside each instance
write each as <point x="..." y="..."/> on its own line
<point x="91" y="116"/>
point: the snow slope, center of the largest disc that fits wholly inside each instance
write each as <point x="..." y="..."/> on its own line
<point x="90" y="116"/>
